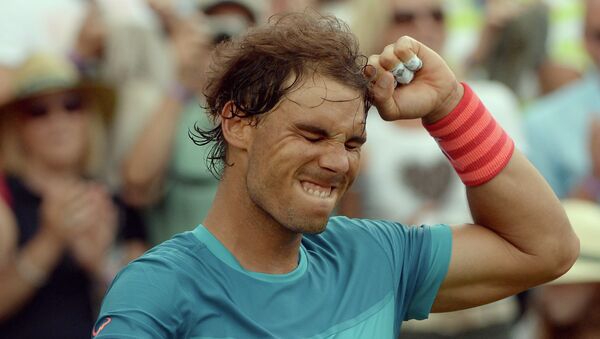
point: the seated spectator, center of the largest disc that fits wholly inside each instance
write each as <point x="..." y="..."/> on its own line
<point x="65" y="222"/>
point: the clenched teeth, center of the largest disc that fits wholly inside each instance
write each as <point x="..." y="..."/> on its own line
<point x="316" y="190"/>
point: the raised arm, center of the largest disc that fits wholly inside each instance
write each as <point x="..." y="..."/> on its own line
<point x="145" y="167"/>
<point x="522" y="236"/>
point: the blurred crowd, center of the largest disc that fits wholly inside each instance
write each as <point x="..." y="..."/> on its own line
<point x="101" y="102"/>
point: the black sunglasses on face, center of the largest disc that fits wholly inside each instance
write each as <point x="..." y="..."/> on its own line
<point x="38" y="108"/>
<point x="406" y="17"/>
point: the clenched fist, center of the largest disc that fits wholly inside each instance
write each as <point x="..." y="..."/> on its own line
<point x="432" y="93"/>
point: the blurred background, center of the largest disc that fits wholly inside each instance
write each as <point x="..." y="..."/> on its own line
<point x="97" y="164"/>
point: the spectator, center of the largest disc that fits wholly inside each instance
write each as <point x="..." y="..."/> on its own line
<point x="64" y="221"/>
<point x="124" y="44"/>
<point x="165" y="172"/>
<point x="512" y="44"/>
<point x="561" y="129"/>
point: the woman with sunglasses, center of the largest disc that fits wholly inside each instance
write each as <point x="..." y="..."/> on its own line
<point x="64" y="222"/>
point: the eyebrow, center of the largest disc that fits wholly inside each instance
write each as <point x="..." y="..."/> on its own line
<point x="361" y="139"/>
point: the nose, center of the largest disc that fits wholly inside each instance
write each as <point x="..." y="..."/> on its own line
<point x="58" y="114"/>
<point x="335" y="159"/>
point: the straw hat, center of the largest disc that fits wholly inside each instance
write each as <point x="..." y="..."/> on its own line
<point x="585" y="219"/>
<point x="43" y="74"/>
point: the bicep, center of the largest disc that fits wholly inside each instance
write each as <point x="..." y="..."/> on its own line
<point x="484" y="267"/>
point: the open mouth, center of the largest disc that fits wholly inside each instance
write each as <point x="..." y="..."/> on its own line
<point x="318" y="191"/>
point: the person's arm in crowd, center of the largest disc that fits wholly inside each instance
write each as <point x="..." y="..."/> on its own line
<point x="75" y="218"/>
<point x="8" y="234"/>
<point x="521" y="236"/>
<point x="23" y="271"/>
<point x="145" y="167"/>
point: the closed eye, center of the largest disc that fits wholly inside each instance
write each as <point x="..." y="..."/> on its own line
<point x="355" y="143"/>
<point x="313" y="138"/>
<point x="352" y="146"/>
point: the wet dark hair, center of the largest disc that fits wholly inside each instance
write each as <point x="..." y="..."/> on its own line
<point x="256" y="70"/>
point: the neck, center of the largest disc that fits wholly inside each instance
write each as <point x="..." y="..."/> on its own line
<point x="256" y="240"/>
<point x="39" y="176"/>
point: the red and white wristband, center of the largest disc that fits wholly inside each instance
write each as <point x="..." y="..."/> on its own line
<point x="472" y="140"/>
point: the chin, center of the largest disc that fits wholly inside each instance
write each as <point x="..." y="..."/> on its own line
<point x="307" y="225"/>
<point x="295" y="210"/>
<point x="63" y="162"/>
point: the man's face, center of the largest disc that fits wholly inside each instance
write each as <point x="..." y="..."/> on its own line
<point x="592" y="30"/>
<point x="421" y="19"/>
<point x="305" y="154"/>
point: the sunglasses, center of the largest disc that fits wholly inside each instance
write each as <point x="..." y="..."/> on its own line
<point x="406" y="17"/>
<point x="72" y="103"/>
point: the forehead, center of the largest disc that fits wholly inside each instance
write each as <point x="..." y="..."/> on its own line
<point x="324" y="101"/>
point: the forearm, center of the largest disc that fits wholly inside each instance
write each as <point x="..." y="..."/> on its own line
<point x="22" y="277"/>
<point x="506" y="193"/>
<point x="145" y="166"/>
<point x="521" y="236"/>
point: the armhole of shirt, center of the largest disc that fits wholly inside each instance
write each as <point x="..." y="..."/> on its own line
<point x="439" y="261"/>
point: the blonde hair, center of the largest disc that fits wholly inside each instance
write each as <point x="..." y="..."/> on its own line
<point x="13" y="155"/>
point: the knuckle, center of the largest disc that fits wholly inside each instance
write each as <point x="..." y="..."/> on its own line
<point x="388" y="52"/>
<point x="388" y="62"/>
<point x="405" y="39"/>
<point x="373" y="60"/>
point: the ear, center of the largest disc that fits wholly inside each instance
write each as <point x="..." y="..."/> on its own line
<point x="238" y="131"/>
